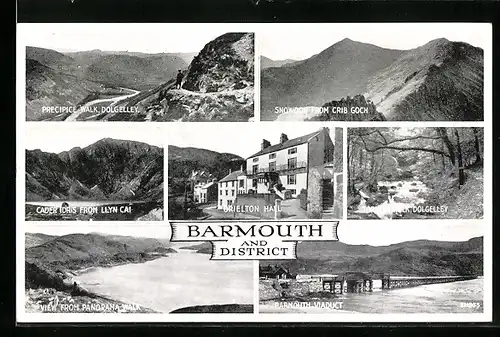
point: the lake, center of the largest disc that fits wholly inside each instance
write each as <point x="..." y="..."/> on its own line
<point x="453" y="297"/>
<point x="180" y="280"/>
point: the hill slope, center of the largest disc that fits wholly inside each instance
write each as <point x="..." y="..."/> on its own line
<point x="36" y="239"/>
<point x="338" y="71"/>
<point x="108" y="169"/>
<point x="136" y="72"/>
<point x="182" y="161"/>
<point x="68" y="79"/>
<point x="266" y="62"/>
<point x="46" y="87"/>
<point x="440" y="80"/>
<point x="414" y="258"/>
<point x="77" y="251"/>
<point x="219" y="83"/>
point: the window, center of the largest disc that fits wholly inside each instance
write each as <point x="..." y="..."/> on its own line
<point x="220" y="202"/>
<point x="254" y="183"/>
<point x="227" y="192"/>
<point x="232" y="193"/>
<point x="292" y="163"/>
<point x="293" y="192"/>
<point x="226" y="183"/>
<point x="255" y="168"/>
<point x="272" y="155"/>
<point x="292" y="150"/>
<point x="291" y="179"/>
<point x="220" y="192"/>
<point x="256" y="159"/>
<point x="328" y="155"/>
<point x="272" y="166"/>
<point x="229" y="202"/>
<point x="242" y="183"/>
<point x="232" y="183"/>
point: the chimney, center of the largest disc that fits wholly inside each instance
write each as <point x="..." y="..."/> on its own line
<point x="265" y="143"/>
<point x="229" y="171"/>
<point x="283" y="138"/>
<point x="241" y="167"/>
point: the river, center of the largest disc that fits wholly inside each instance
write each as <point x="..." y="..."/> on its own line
<point x="110" y="102"/>
<point x="443" y="298"/>
<point x="401" y="197"/>
<point x="180" y="280"/>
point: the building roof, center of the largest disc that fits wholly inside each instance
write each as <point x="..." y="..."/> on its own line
<point x="288" y="143"/>
<point x="232" y="176"/>
<point x="209" y="184"/>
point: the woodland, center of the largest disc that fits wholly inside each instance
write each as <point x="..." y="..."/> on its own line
<point x="399" y="168"/>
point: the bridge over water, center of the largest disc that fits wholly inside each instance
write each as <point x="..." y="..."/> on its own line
<point x="362" y="282"/>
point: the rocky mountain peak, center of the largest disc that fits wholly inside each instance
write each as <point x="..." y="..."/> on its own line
<point x="226" y="63"/>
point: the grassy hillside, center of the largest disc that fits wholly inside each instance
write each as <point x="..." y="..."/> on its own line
<point x="36" y="239"/>
<point x="339" y="71"/>
<point x="441" y="80"/>
<point x="182" y="161"/>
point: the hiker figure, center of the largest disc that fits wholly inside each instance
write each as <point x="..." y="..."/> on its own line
<point x="178" y="82"/>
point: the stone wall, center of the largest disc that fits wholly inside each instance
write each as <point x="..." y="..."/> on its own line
<point x="314" y="193"/>
<point x="291" y="288"/>
<point x="339" y="196"/>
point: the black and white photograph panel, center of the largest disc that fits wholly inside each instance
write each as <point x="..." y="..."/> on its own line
<point x="84" y="268"/>
<point x="422" y="268"/>
<point x="373" y="72"/>
<point x="255" y="171"/>
<point x="138" y="72"/>
<point x="415" y="173"/>
<point x="93" y="173"/>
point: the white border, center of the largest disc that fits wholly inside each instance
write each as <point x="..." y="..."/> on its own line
<point x="258" y="29"/>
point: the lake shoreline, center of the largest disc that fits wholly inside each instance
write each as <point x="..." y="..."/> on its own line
<point x="192" y="286"/>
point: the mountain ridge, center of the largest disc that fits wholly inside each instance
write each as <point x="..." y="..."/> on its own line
<point x="107" y="167"/>
<point x="417" y="258"/>
<point x="441" y="80"/>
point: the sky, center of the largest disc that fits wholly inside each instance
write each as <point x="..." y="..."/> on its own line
<point x="387" y="232"/>
<point x="57" y="137"/>
<point x="367" y="232"/>
<point x="301" y="41"/>
<point x="243" y="139"/>
<point x="132" y="37"/>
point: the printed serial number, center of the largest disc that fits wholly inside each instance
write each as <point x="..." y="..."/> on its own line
<point x="475" y="305"/>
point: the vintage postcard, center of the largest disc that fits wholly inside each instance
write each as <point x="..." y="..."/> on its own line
<point x="296" y="172"/>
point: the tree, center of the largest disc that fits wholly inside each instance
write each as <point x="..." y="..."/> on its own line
<point x="461" y="174"/>
<point x="476" y="145"/>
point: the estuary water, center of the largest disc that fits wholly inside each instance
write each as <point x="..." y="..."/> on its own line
<point x="443" y="298"/>
<point x="180" y="280"/>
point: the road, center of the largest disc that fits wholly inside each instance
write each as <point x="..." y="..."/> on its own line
<point x="113" y="101"/>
